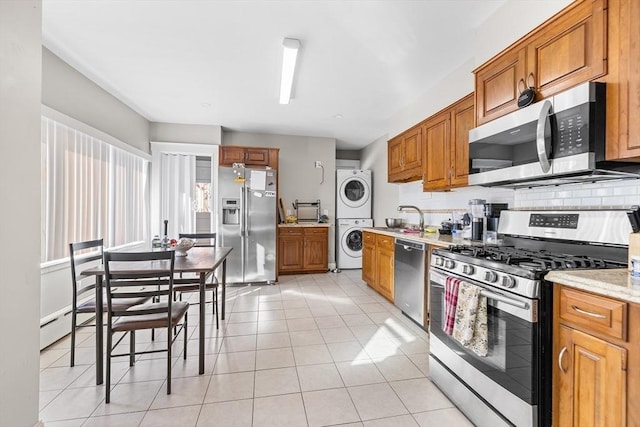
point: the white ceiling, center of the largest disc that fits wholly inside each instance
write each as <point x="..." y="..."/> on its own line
<point x="218" y="61"/>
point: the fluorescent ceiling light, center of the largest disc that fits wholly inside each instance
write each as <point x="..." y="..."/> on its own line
<point x="290" y="54"/>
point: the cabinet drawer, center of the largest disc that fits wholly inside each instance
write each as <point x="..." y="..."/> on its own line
<point x="315" y="231"/>
<point x="385" y="242"/>
<point x="594" y="312"/>
<point x="288" y="231"/>
<point x="369" y="238"/>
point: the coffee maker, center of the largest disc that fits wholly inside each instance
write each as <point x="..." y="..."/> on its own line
<point x="492" y="214"/>
<point x="476" y="209"/>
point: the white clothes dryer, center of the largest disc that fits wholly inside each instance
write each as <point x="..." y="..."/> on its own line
<point x="349" y="242"/>
<point x="353" y="193"/>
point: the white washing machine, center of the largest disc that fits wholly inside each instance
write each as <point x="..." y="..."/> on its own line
<point x="349" y="242"/>
<point x="353" y="193"/>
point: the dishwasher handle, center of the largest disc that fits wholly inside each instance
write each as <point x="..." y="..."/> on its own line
<point x="408" y="245"/>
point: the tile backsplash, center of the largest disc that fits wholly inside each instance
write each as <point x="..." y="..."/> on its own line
<point x="611" y="194"/>
<point x="439" y="206"/>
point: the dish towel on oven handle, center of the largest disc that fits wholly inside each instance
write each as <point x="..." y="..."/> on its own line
<point x="450" y="302"/>
<point x="470" y="326"/>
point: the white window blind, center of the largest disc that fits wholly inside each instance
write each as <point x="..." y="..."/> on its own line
<point x="90" y="190"/>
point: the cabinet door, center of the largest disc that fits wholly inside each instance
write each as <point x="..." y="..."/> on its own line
<point x="290" y="252"/>
<point x="394" y="159"/>
<point x="462" y="121"/>
<point x="230" y="155"/>
<point x="412" y="152"/>
<point x="369" y="265"/>
<point x="623" y="81"/>
<point x="257" y="156"/>
<point x="497" y="85"/>
<point x="369" y="258"/>
<point x="384" y="273"/>
<point x="436" y="161"/>
<point x="571" y="49"/>
<point x="316" y="247"/>
<point x="591" y="381"/>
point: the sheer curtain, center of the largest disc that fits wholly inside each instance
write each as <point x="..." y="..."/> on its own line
<point x="90" y="190"/>
<point x="177" y="192"/>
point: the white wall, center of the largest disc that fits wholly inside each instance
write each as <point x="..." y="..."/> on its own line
<point x="68" y="91"/>
<point x="20" y="80"/>
<point x="385" y="195"/>
<point x="297" y="177"/>
<point x="192" y="134"/>
<point x="513" y="20"/>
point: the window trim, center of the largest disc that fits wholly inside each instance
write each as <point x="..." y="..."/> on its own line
<point x="52" y="114"/>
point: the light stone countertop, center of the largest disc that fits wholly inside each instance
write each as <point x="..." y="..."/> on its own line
<point x="613" y="283"/>
<point x="435" y="239"/>
<point x="306" y="224"/>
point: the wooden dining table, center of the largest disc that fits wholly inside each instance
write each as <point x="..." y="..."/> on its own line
<point x="199" y="260"/>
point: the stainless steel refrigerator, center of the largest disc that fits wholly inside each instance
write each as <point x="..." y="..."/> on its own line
<point x="247" y="222"/>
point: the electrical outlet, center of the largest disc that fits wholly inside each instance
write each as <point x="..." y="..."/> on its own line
<point x="318" y="163"/>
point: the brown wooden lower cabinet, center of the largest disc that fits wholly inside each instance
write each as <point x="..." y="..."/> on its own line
<point x="303" y="250"/>
<point x="377" y="263"/>
<point x="595" y="372"/>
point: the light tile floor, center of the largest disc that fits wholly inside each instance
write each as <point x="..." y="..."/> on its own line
<point x="313" y="350"/>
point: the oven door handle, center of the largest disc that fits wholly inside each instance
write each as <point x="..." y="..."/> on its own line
<point x="497" y="297"/>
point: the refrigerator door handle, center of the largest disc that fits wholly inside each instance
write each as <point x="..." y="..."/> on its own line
<point x="247" y="205"/>
<point x="242" y="210"/>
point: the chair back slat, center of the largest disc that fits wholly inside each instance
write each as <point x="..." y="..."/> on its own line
<point x="77" y="259"/>
<point x="202" y="239"/>
<point x="135" y="275"/>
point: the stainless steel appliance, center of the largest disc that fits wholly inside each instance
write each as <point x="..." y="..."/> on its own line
<point x="247" y="222"/>
<point x="476" y="208"/>
<point x="409" y="279"/>
<point x="492" y="215"/>
<point x="349" y="242"/>
<point x="555" y="141"/>
<point x="511" y="385"/>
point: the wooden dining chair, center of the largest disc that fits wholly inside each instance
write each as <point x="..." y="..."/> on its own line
<point x="82" y="256"/>
<point x="131" y="275"/>
<point x="192" y="284"/>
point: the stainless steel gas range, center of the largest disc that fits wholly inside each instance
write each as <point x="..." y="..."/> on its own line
<point x="511" y="384"/>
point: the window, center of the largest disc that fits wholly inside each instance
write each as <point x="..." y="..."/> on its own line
<point x="90" y="190"/>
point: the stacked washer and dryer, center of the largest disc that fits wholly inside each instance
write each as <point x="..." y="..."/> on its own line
<point x="353" y="212"/>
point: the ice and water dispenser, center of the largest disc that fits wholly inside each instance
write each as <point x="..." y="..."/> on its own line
<point x="231" y="211"/>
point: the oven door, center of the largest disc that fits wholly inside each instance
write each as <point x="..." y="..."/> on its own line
<point x="513" y="359"/>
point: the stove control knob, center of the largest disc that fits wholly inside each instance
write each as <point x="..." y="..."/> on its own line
<point x="450" y="263"/>
<point x="468" y="269"/>
<point x="439" y="261"/>
<point x="490" y="276"/>
<point x="508" y="281"/>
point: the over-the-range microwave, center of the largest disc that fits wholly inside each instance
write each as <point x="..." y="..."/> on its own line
<point x="555" y="141"/>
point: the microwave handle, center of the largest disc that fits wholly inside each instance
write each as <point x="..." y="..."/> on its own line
<point x="543" y="155"/>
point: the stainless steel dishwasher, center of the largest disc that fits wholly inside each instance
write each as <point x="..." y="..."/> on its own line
<point x="409" y="278"/>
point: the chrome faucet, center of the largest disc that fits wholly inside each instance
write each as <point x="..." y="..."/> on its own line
<point x="417" y="209"/>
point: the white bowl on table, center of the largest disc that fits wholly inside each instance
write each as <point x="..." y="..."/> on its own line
<point x="183" y="246"/>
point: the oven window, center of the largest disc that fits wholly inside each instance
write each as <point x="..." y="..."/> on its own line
<point x="513" y="347"/>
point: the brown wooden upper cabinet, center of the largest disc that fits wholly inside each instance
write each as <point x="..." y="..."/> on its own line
<point x="623" y="81"/>
<point x="446" y="141"/>
<point x="250" y="156"/>
<point x="568" y="49"/>
<point x="404" y="156"/>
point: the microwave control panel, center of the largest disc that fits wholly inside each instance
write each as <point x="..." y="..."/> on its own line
<point x="572" y="131"/>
